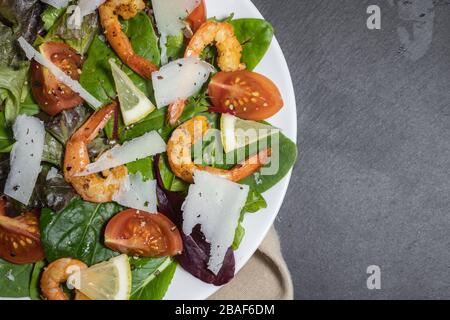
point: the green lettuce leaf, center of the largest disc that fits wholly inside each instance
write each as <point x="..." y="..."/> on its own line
<point x="175" y="47"/>
<point x="255" y="35"/>
<point x="6" y="136"/>
<point x="151" y="277"/>
<point x="50" y="16"/>
<point x="142" y="166"/>
<point x="15" y="279"/>
<point x="77" y="231"/>
<point x="12" y="83"/>
<point x="56" y="21"/>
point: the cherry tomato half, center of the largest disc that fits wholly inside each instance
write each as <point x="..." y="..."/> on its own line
<point x="20" y="241"/>
<point x="246" y="94"/>
<point x="52" y="95"/>
<point x="143" y="234"/>
<point x="197" y="17"/>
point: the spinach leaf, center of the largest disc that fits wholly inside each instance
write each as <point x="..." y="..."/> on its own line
<point x="28" y="106"/>
<point x="171" y="182"/>
<point x="154" y="121"/>
<point x="50" y="16"/>
<point x="79" y="39"/>
<point x="254" y="203"/>
<point x="14" y="279"/>
<point x="151" y="277"/>
<point x="286" y="158"/>
<point x="143" y="37"/>
<point x="6" y="140"/>
<point x="11" y="85"/>
<point x="35" y="292"/>
<point x="96" y="76"/>
<point x="77" y="231"/>
<point x="255" y="36"/>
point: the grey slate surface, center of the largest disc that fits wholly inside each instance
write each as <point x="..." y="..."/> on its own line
<point x="372" y="185"/>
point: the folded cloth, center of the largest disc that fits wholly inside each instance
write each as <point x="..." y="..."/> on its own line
<point x="264" y="277"/>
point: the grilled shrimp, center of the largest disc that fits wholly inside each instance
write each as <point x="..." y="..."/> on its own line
<point x="109" y="17"/>
<point x="229" y="50"/>
<point x="56" y="274"/>
<point x="93" y="187"/>
<point x="228" y="46"/>
<point x="180" y="160"/>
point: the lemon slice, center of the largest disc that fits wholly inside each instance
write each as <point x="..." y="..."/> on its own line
<point x="109" y="280"/>
<point x="134" y="105"/>
<point x="237" y="133"/>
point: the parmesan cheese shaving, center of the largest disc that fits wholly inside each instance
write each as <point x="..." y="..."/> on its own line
<point x="144" y="146"/>
<point x="215" y="204"/>
<point x="25" y="158"/>
<point x="180" y="79"/>
<point x="136" y="193"/>
<point x="170" y="16"/>
<point x="78" y="12"/>
<point x="32" y="53"/>
<point x="57" y="3"/>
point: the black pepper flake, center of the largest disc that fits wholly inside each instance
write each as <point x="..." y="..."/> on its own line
<point x="15" y="188"/>
<point x="160" y="77"/>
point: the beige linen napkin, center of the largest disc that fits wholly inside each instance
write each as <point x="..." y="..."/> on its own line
<point x="264" y="277"/>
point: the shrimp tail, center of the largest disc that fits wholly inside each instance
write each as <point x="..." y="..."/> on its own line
<point x="175" y="111"/>
<point x="109" y="17"/>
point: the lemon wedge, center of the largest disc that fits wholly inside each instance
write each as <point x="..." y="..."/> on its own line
<point x="134" y="104"/>
<point x="237" y="133"/>
<point x="109" y="280"/>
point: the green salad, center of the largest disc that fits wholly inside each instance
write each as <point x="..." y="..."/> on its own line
<point x="133" y="141"/>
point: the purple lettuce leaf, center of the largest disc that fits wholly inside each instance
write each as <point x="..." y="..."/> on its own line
<point x="195" y="256"/>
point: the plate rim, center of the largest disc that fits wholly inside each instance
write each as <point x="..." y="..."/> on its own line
<point x="284" y="183"/>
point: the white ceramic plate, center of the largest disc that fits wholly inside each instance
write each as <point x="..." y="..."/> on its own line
<point x="185" y="286"/>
